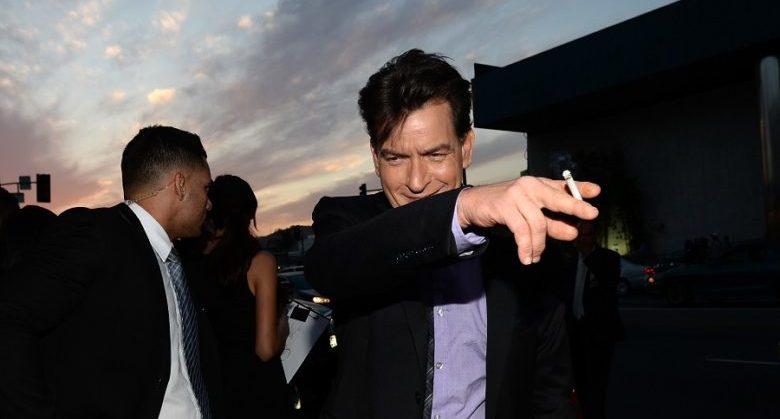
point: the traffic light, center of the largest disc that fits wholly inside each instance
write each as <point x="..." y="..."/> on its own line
<point x="43" y="187"/>
<point x="362" y="188"/>
<point x="25" y="183"/>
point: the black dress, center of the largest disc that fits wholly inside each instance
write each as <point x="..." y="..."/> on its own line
<point x="251" y="388"/>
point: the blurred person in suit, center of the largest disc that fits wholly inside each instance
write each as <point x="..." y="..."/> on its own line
<point x="593" y="317"/>
<point x="99" y="321"/>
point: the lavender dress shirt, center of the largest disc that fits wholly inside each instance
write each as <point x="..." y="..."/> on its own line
<point x="460" y="334"/>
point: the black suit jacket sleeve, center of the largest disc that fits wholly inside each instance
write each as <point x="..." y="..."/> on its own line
<point x="357" y="252"/>
<point x="38" y="296"/>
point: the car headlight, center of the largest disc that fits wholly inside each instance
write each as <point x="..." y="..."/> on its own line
<point x="320" y="300"/>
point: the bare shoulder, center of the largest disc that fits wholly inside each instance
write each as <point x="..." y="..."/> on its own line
<point x="263" y="260"/>
<point x="262" y="270"/>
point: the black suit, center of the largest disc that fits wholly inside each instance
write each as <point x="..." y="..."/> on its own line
<point x="593" y="336"/>
<point x="84" y="324"/>
<point x="370" y="259"/>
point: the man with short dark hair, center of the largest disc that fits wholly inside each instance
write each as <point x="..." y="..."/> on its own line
<point x="433" y="322"/>
<point x="99" y="321"/>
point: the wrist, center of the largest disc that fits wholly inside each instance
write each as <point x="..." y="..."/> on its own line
<point x="461" y="206"/>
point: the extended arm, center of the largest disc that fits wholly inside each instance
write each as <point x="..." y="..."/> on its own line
<point x="363" y="248"/>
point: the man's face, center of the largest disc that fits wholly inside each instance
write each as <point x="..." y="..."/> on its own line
<point x="422" y="156"/>
<point x="195" y="202"/>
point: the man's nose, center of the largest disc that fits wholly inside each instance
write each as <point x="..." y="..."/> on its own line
<point x="418" y="176"/>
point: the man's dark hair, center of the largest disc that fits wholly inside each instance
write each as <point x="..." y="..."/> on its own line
<point x="405" y="84"/>
<point x="154" y="151"/>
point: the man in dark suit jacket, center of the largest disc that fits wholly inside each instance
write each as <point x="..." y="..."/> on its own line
<point x="98" y="322"/>
<point x="432" y="321"/>
<point x="593" y="318"/>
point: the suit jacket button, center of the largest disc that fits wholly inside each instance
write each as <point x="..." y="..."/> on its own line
<point x="418" y="397"/>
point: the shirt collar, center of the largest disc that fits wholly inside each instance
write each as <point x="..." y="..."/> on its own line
<point x="156" y="234"/>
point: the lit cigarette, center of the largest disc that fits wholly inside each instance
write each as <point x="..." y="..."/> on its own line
<point x="572" y="186"/>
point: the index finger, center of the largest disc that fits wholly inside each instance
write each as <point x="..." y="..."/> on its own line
<point x="556" y="199"/>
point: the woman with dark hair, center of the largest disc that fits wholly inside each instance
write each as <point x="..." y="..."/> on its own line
<point x="248" y="317"/>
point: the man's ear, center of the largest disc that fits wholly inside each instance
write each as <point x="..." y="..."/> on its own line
<point x="467" y="148"/>
<point x="180" y="187"/>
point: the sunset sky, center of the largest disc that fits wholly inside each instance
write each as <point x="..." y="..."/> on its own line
<point x="270" y="86"/>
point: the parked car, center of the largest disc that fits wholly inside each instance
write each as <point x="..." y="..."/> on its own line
<point x="633" y="276"/>
<point x="293" y="278"/>
<point x="313" y="380"/>
<point x="747" y="270"/>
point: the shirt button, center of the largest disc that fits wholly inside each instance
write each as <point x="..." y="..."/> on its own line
<point x="440" y="311"/>
<point x="439" y="365"/>
<point x="436" y="416"/>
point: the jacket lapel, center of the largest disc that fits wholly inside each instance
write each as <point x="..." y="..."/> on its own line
<point x="416" y="317"/>
<point x="145" y="255"/>
<point x="500" y="325"/>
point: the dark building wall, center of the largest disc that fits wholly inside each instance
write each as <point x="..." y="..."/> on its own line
<point x="696" y="160"/>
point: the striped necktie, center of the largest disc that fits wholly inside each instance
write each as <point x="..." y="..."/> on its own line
<point x="428" y="403"/>
<point x="189" y="332"/>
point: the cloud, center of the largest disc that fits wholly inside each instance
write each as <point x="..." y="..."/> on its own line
<point x="314" y="47"/>
<point x="113" y="52"/>
<point x="170" y="21"/>
<point x="118" y="96"/>
<point x="161" y="96"/>
<point x="88" y="13"/>
<point x="498" y="146"/>
<point x="30" y="147"/>
<point x="213" y="46"/>
<point x="299" y="210"/>
<point x="77" y="25"/>
<point x="245" y="22"/>
<point x="58" y="126"/>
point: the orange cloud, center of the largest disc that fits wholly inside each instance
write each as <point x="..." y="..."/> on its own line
<point x="171" y="21"/>
<point x="161" y="96"/>
<point x="245" y="22"/>
<point x="118" y="96"/>
<point x="343" y="163"/>
<point x="113" y="51"/>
